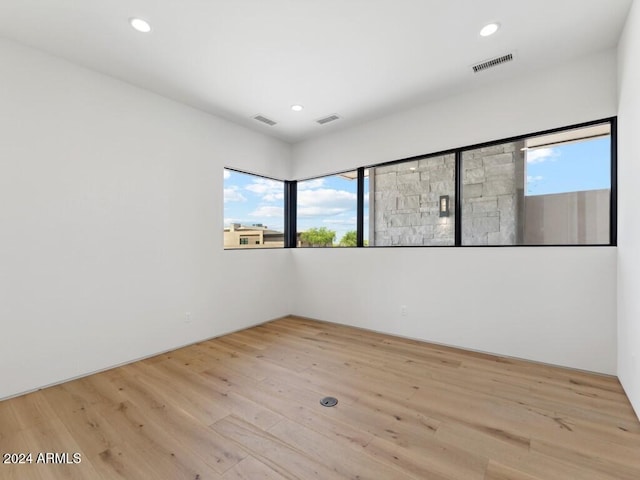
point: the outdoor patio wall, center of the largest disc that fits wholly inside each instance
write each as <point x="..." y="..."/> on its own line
<point x="111" y="216"/>
<point x="404" y="207"/>
<point x="548" y="304"/>
<point x="629" y="214"/>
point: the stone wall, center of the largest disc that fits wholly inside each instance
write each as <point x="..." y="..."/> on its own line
<point x="404" y="199"/>
<point x="493" y="195"/>
<point x="404" y="202"/>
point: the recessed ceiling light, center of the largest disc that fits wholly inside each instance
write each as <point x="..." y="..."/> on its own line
<point x="297" y="108"/>
<point x="140" y="25"/>
<point x="489" y="29"/>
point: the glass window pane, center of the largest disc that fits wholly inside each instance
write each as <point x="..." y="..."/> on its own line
<point x="412" y="203"/>
<point x="568" y="187"/>
<point x="546" y="190"/>
<point x="327" y="211"/>
<point x="492" y="194"/>
<point x="253" y="211"/>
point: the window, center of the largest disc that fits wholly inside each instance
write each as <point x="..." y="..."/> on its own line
<point x="551" y="189"/>
<point x="492" y="190"/>
<point x="327" y="211"/>
<point x="253" y="211"/>
<point x="405" y="199"/>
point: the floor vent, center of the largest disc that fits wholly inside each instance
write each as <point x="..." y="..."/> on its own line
<point x="328" y="119"/>
<point x="494" y="62"/>
<point x="263" y="119"/>
<point x="329" y="402"/>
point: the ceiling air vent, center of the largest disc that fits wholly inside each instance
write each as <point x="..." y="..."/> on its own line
<point x="494" y="62"/>
<point x="264" y="119"/>
<point x="328" y="119"/>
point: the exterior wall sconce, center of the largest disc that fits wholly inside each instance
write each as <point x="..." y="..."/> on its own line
<point x="444" y="205"/>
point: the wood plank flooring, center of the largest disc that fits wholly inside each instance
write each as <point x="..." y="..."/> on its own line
<point x="246" y="406"/>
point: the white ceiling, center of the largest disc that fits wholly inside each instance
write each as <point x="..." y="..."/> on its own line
<point x="358" y="58"/>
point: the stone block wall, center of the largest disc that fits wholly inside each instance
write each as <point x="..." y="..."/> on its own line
<point x="404" y="199"/>
<point x="493" y="195"/>
<point x="403" y="202"/>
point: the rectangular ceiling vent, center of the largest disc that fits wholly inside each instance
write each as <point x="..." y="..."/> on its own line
<point x="263" y="119"/>
<point x="328" y="119"/>
<point x="494" y="62"/>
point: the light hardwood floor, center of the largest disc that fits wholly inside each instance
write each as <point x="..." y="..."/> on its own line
<point x="246" y="406"/>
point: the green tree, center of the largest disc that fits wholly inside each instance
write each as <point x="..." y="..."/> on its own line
<point x="350" y="239"/>
<point x="318" y="237"/>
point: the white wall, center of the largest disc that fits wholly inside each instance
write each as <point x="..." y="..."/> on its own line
<point x="555" y="305"/>
<point x="110" y="214"/>
<point x="582" y="91"/>
<point x="110" y="223"/>
<point x="552" y="305"/>
<point x="628" y="215"/>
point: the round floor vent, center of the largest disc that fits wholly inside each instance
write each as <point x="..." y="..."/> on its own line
<point x="329" y="402"/>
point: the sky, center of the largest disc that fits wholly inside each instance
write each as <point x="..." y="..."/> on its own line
<point x="332" y="201"/>
<point x="249" y="200"/>
<point x="329" y="202"/>
<point x="571" y="167"/>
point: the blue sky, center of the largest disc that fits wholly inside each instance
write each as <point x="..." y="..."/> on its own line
<point x="572" y="167"/>
<point x="249" y="199"/>
<point x="331" y="201"/>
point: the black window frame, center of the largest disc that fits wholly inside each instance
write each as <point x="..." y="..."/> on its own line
<point x="290" y="193"/>
<point x="286" y="225"/>
<point x="293" y="202"/>
<point x="613" y="192"/>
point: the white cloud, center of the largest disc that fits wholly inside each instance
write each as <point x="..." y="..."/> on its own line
<point x="325" y="202"/>
<point x="268" y="211"/>
<point x="327" y="197"/>
<point x="310" y="184"/>
<point x="531" y="179"/>
<point x="273" y="197"/>
<point x="336" y="221"/>
<point x="306" y="212"/>
<point x="227" y="174"/>
<point x="271" y="190"/>
<point x="232" y="194"/>
<point x="540" y="155"/>
<point x="264" y="185"/>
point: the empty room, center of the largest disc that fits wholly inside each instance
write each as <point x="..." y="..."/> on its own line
<point x="302" y="239"/>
